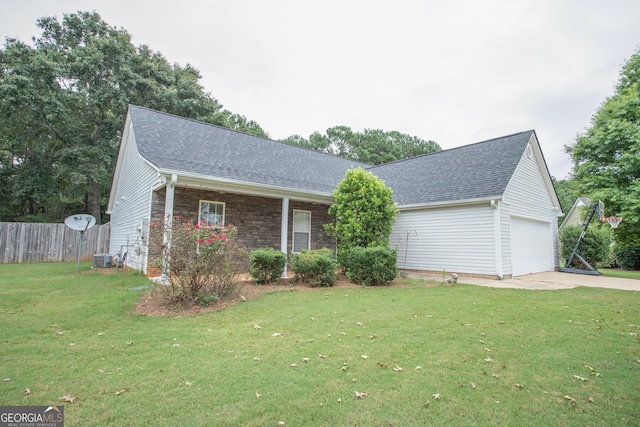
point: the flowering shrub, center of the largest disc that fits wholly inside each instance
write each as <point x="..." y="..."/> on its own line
<point x="200" y="261"/>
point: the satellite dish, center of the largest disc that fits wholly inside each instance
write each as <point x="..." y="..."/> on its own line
<point x="80" y="222"/>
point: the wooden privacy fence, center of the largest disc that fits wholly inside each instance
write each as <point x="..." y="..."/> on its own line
<point x="37" y="242"/>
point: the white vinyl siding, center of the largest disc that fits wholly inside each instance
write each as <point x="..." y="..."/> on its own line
<point x="527" y="197"/>
<point x="131" y="207"/>
<point x="456" y="239"/>
<point x="301" y="231"/>
<point x="211" y="213"/>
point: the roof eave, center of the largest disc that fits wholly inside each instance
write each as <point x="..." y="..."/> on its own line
<point x="244" y="187"/>
<point x="449" y="203"/>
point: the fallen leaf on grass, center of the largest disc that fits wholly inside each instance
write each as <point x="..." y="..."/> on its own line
<point x="580" y="378"/>
<point x="294" y="365"/>
<point x="488" y="360"/>
<point x="382" y="365"/>
<point x="591" y="400"/>
<point x="27" y="391"/>
<point x="243" y="298"/>
<point x="256" y="358"/>
<point x="495" y="375"/>
<point x="353" y="380"/>
<point x="6" y="380"/>
<point x="437" y="396"/>
<point x="68" y="398"/>
<point x="258" y="395"/>
<point x="129" y="342"/>
<point x="276" y="334"/>
<point x="100" y="334"/>
<point x="360" y="395"/>
<point x="473" y="385"/>
<point x="518" y="386"/>
<point x="364" y="356"/>
<point x="280" y="423"/>
<point x="119" y="392"/>
<point x="256" y="326"/>
<point x="359" y="324"/>
<point x="426" y="403"/>
<point x="339" y="400"/>
<point x="569" y="398"/>
<point x="60" y="333"/>
<point x="322" y="356"/>
<point x="398" y="369"/>
<point x="418" y="368"/>
<point x="305" y="359"/>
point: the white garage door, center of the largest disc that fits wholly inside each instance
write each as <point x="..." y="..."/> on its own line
<point x="531" y="247"/>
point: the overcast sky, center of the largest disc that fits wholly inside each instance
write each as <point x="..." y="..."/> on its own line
<point x="455" y="72"/>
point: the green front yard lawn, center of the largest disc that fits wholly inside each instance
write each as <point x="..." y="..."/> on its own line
<point x="418" y="354"/>
<point x="616" y="272"/>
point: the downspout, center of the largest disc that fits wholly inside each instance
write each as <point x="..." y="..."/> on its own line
<point x="497" y="237"/>
<point x="168" y="220"/>
<point x="284" y="231"/>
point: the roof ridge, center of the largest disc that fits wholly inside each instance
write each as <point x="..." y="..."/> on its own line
<point x="451" y="149"/>
<point x="245" y="133"/>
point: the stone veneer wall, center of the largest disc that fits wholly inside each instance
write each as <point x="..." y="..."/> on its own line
<point x="257" y="218"/>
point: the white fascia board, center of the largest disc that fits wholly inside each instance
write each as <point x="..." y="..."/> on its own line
<point x="243" y="187"/>
<point x="449" y="203"/>
<point x="121" y="150"/>
<point x="546" y="176"/>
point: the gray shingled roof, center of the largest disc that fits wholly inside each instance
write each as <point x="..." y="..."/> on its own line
<point x="175" y="143"/>
<point x="473" y="171"/>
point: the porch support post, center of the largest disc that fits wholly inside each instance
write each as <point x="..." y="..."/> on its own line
<point x="497" y="237"/>
<point x="284" y="231"/>
<point x="168" y="221"/>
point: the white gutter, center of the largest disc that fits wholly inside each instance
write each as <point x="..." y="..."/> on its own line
<point x="443" y="204"/>
<point x="497" y="237"/>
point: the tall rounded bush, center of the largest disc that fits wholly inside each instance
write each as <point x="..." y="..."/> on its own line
<point x="364" y="212"/>
<point x="595" y="247"/>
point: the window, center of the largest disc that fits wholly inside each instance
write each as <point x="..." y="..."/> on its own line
<point x="211" y="213"/>
<point x="301" y="230"/>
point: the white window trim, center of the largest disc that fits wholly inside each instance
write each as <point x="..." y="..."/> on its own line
<point x="224" y="209"/>
<point x="293" y="231"/>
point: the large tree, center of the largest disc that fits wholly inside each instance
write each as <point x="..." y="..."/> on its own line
<point x="372" y="146"/>
<point x="62" y="108"/>
<point x="607" y="156"/>
<point x="567" y="194"/>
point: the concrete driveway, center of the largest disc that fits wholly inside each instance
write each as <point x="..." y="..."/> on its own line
<point x="549" y="280"/>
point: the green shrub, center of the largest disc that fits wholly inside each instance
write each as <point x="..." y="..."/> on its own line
<point x="364" y="212"/>
<point x="628" y="257"/>
<point x="595" y="247"/>
<point x="267" y="265"/>
<point x="200" y="262"/>
<point x="373" y="266"/>
<point x="317" y="267"/>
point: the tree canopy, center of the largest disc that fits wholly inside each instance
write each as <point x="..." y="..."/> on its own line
<point x="372" y="146"/>
<point x="62" y="107"/>
<point x="607" y="156"/>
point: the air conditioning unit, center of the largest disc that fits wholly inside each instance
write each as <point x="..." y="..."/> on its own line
<point x="102" y="260"/>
